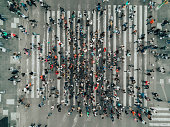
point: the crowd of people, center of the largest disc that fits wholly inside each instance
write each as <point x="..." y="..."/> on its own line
<point x="77" y="70"/>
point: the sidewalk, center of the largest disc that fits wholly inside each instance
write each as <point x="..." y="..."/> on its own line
<point x="8" y="100"/>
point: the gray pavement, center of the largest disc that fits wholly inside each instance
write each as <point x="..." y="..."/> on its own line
<point x="34" y="114"/>
<point x="9" y="99"/>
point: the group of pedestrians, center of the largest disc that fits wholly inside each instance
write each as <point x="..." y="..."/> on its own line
<point x="91" y="98"/>
<point x="78" y="74"/>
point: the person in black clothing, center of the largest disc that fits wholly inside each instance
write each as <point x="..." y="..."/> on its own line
<point x="31" y="73"/>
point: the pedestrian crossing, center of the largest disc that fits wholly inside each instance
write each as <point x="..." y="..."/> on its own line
<point x="160" y="118"/>
<point x="99" y="24"/>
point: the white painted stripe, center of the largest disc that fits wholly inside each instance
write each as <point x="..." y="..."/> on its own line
<point x="114" y="44"/>
<point x="161" y="114"/>
<point x="27" y="64"/>
<point x="53" y="31"/>
<point x="109" y="43"/>
<point x="145" y="43"/>
<point x="145" y="26"/>
<point x="124" y="64"/>
<point x="135" y="54"/>
<point x="160" y="108"/>
<point x="64" y="42"/>
<point x="88" y="43"/>
<point x="65" y="117"/>
<point x="139" y="35"/>
<point x="38" y="69"/>
<point x="159" y="124"/>
<point x="160" y="119"/>
<point x="58" y="49"/>
<point x="53" y="44"/>
<point x="161" y="81"/>
<point x="168" y="80"/>
<point x="53" y="14"/>
<point x="163" y="89"/>
<point x="79" y="43"/>
<point x="94" y="21"/>
<point x="98" y="28"/>
<point x="109" y="15"/>
<point x="75" y="120"/>
<point x="130" y="43"/>
<point x="48" y="15"/>
<point x="27" y="77"/>
<point x="88" y="36"/>
<point x="114" y="37"/>
<point x="43" y="54"/>
<point x="130" y="24"/>
<point x="33" y="67"/>
<point x="140" y="20"/>
<point x="114" y="25"/>
<point x="84" y="40"/>
<point x="48" y="47"/>
<point x="104" y="43"/>
<point x="43" y="50"/>
<point x="94" y="29"/>
<point x="68" y="46"/>
<point x="120" y="35"/>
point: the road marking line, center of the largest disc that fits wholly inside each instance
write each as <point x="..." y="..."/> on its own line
<point x="114" y="45"/>
<point x="160" y="114"/>
<point x="145" y="58"/>
<point x="160" y="119"/>
<point x="75" y="120"/>
<point x="58" y="49"/>
<point x="124" y="64"/>
<point x="159" y="124"/>
<point x="94" y="29"/>
<point x="130" y="43"/>
<point x="63" y="48"/>
<point x="68" y="49"/>
<point x="104" y="43"/>
<point x="135" y="55"/>
<point x="38" y="68"/>
<point x="161" y="81"/>
<point x="33" y="68"/>
<point x="160" y="108"/>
